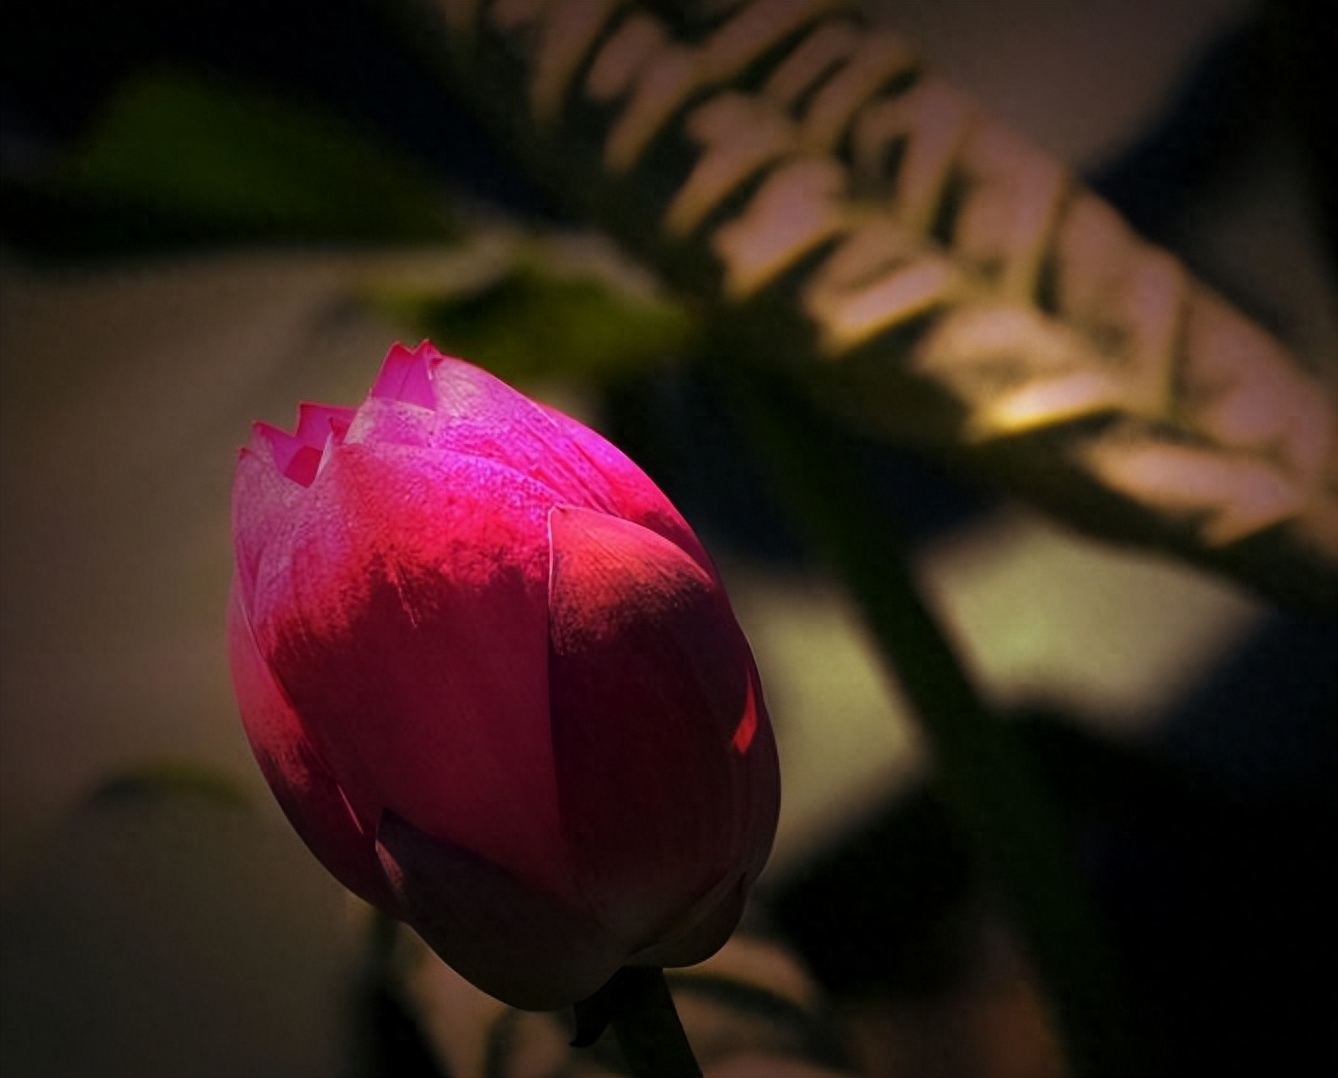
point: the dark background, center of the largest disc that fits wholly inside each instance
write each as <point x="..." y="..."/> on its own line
<point x="1207" y="836"/>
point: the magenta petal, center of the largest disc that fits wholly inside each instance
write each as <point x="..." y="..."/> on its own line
<point x="407" y="376"/>
<point x="650" y="683"/>
<point x="303" y="785"/>
<point x="700" y="932"/>
<point x="279" y="444"/>
<point x="390" y="421"/>
<point x="475" y="414"/>
<point x="270" y="477"/>
<point x="317" y="422"/>
<point x="297" y="455"/>
<point x="263" y="504"/>
<point x="626" y="491"/>
<point x="481" y="415"/>
<point x="524" y="947"/>
<point x="405" y="617"/>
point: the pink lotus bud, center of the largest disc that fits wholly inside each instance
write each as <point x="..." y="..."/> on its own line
<point x="495" y="683"/>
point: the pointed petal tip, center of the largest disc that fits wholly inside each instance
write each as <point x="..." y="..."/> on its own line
<point x="407" y="375"/>
<point x="316" y="422"/>
<point x="292" y="457"/>
<point x="300" y="455"/>
<point x="425" y="349"/>
<point x="271" y="443"/>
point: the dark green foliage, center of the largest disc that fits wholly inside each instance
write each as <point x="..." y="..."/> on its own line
<point x="178" y="161"/>
<point x="535" y="321"/>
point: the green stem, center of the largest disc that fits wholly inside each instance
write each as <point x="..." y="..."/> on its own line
<point x="987" y="778"/>
<point x="637" y="1004"/>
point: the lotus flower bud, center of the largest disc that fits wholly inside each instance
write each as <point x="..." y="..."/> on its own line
<point x="495" y="683"/>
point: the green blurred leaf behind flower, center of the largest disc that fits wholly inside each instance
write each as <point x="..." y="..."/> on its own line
<point x="538" y="318"/>
<point x="169" y="777"/>
<point x="178" y="160"/>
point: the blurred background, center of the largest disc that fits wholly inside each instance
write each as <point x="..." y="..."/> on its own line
<point x="213" y="210"/>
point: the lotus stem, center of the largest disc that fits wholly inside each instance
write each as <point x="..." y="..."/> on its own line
<point x="637" y="1005"/>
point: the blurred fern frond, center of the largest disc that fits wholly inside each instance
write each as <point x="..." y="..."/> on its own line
<point x="866" y="228"/>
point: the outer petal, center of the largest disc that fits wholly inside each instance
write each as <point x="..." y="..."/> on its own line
<point x="702" y="931"/>
<point x="264" y="495"/>
<point x="483" y="416"/>
<point x="525" y="947"/>
<point x="263" y="504"/>
<point x="302" y="783"/>
<point x="475" y="413"/>
<point x="406" y="375"/>
<point x="628" y="492"/>
<point x="405" y="618"/>
<point x="666" y="765"/>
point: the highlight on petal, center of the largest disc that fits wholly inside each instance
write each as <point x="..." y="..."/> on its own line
<point x="303" y="785"/>
<point x="286" y="450"/>
<point x="480" y="415"/>
<point x="264" y="503"/>
<point x="391" y="421"/>
<point x="650" y="679"/>
<point x="270" y="475"/>
<point x="524" y="947"/>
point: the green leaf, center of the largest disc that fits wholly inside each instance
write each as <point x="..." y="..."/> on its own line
<point x="159" y="778"/>
<point x="535" y="321"/>
<point x="178" y="159"/>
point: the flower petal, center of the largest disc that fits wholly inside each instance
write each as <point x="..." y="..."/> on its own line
<point x="516" y="943"/>
<point x="271" y="473"/>
<point x="626" y="491"/>
<point x="390" y="421"/>
<point x="406" y="619"/>
<point x="304" y="786"/>
<point x="483" y="416"/>
<point x="317" y="422"/>
<point x="407" y="375"/>
<point x="263" y="505"/>
<point x="650" y="684"/>
<point x="702" y="931"/>
<point x="477" y="414"/>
